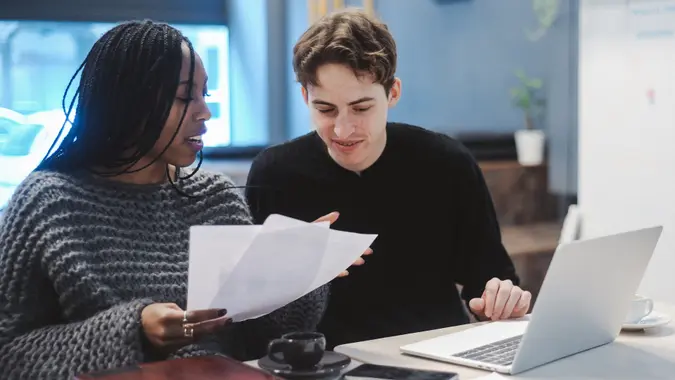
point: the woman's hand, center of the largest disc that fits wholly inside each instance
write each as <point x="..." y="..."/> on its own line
<point x="331" y="218"/>
<point x="167" y="326"/>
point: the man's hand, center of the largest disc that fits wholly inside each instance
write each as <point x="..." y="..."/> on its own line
<point x="331" y="218"/>
<point x="501" y="300"/>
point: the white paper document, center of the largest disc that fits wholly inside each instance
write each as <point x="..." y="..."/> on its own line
<point x="254" y="270"/>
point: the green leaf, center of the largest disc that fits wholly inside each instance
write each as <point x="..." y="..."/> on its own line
<point x="535" y="83"/>
<point x="523" y="96"/>
<point x="546" y="12"/>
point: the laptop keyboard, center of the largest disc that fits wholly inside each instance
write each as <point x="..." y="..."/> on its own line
<point x="502" y="352"/>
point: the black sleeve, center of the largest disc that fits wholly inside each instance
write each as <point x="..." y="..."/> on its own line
<point x="303" y="314"/>
<point x="480" y="252"/>
<point x="260" y="188"/>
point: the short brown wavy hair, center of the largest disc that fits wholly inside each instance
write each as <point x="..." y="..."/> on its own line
<point x="349" y="37"/>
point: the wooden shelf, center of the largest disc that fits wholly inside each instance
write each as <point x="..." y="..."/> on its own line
<point x="531" y="239"/>
<point x="531" y="247"/>
<point x="504" y="164"/>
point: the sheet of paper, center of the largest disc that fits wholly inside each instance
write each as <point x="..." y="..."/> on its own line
<point x="210" y="261"/>
<point x="276" y="269"/>
<point x="254" y="270"/>
<point x="342" y="250"/>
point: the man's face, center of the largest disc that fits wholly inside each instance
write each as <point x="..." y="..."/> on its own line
<point x="350" y="114"/>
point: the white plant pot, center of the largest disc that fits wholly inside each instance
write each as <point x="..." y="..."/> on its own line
<point x="530" y="145"/>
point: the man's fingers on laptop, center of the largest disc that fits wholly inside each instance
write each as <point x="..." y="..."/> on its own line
<point x="503" y="295"/>
<point x="477" y="305"/>
<point x="523" y="305"/>
<point x="512" y="303"/>
<point x="491" y="289"/>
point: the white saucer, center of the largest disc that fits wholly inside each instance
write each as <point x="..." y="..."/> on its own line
<point x="654" y="319"/>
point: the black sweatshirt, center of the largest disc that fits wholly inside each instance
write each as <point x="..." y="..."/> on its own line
<point x="426" y="199"/>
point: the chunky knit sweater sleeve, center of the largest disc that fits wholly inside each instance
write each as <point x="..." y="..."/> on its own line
<point x="35" y="342"/>
<point x="79" y="261"/>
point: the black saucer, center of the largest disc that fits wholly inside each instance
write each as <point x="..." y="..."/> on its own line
<point x="330" y="364"/>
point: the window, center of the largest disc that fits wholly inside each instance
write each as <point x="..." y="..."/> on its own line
<point x="38" y="58"/>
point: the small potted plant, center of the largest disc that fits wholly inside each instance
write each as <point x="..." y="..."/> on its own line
<point x="530" y="142"/>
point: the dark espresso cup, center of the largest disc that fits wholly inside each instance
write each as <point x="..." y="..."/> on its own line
<point x="299" y="350"/>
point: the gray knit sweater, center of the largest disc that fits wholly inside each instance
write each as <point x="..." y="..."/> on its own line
<point x="81" y="256"/>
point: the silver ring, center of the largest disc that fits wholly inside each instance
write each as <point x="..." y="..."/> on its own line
<point x="188" y="331"/>
<point x="185" y="320"/>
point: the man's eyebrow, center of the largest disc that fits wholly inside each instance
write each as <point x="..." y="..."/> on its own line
<point x="361" y="100"/>
<point x="357" y="101"/>
<point x="321" y="102"/>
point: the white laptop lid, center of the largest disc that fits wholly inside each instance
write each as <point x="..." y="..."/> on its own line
<point x="582" y="303"/>
<point x="586" y="295"/>
<point x="571" y="228"/>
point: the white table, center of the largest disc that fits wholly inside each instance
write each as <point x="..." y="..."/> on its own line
<point x="640" y="355"/>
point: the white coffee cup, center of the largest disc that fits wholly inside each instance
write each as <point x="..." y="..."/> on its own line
<point x="640" y="307"/>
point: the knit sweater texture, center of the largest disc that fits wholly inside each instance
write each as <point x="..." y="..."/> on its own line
<point x="81" y="256"/>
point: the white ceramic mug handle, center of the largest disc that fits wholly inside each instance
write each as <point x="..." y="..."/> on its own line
<point x="650" y="306"/>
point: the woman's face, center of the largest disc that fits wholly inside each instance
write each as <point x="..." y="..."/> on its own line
<point x="183" y="150"/>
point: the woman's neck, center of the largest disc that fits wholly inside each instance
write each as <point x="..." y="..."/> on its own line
<point x="154" y="174"/>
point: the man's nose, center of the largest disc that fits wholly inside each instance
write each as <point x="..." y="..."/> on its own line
<point x="344" y="127"/>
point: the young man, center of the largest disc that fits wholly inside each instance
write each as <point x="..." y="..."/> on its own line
<point x="420" y="191"/>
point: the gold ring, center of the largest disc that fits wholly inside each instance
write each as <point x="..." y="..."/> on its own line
<point x="188" y="331"/>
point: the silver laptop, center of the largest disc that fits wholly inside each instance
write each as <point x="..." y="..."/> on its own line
<point x="583" y="301"/>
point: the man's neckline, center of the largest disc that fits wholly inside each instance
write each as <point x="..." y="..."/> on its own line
<point x="363" y="173"/>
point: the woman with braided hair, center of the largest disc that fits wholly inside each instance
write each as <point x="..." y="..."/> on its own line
<point x="94" y="243"/>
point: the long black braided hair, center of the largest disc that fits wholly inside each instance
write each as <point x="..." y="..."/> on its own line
<point x="127" y="88"/>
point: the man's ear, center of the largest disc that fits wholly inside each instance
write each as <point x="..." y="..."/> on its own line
<point x="395" y="92"/>
<point x="305" y="96"/>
